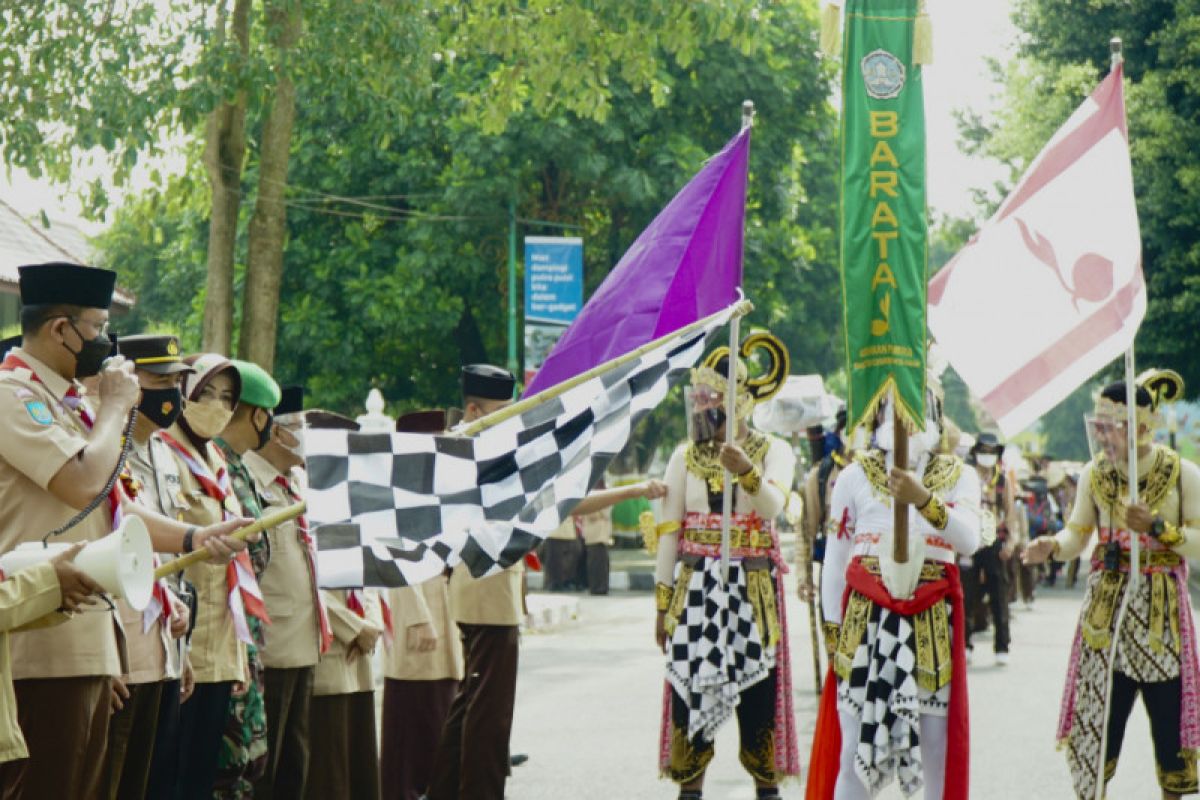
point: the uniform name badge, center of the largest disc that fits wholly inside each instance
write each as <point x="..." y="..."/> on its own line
<point x="39" y="412"/>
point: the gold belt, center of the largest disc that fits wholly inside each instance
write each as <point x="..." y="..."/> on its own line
<point x="1150" y="558"/>
<point x="738" y="537"/>
<point x="930" y="570"/>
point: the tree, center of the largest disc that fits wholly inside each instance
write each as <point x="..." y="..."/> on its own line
<point x="396" y="224"/>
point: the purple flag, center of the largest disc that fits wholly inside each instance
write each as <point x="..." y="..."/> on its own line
<point x="686" y="265"/>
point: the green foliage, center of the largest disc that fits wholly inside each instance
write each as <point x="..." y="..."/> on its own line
<point x="1065" y="436"/>
<point x="395" y="262"/>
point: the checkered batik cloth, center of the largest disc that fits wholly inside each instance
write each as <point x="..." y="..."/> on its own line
<point x="397" y="509"/>
<point x="716" y="650"/>
<point x="882" y="692"/>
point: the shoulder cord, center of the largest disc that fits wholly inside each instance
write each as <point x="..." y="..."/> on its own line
<point x="126" y="445"/>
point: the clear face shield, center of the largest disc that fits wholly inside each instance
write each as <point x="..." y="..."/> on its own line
<point x="1108" y="438"/>
<point x="705" y="409"/>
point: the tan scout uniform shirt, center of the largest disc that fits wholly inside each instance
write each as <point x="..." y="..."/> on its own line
<point x="597" y="527"/>
<point x="294" y="635"/>
<point x="494" y="600"/>
<point x="39" y="434"/>
<point x="153" y="654"/>
<point x="216" y="653"/>
<point x="429" y="604"/>
<point x="25" y="596"/>
<point x="336" y="675"/>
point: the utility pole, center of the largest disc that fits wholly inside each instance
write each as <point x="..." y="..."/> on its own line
<point x="512" y="285"/>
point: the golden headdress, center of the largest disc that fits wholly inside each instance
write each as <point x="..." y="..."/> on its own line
<point x="1161" y="385"/>
<point x="713" y="371"/>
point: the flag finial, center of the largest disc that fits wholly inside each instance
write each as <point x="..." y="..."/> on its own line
<point x="747" y="113"/>
<point x="1114" y="48"/>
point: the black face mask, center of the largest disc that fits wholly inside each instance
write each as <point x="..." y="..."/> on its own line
<point x="90" y="357"/>
<point x="264" y="435"/>
<point x="161" y="406"/>
<point x="706" y="423"/>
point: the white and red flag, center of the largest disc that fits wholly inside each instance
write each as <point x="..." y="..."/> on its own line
<point x="1050" y="290"/>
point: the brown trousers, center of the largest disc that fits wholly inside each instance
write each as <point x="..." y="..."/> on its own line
<point x="131" y="735"/>
<point x="65" y="723"/>
<point x="287" y="697"/>
<point x="597" y="568"/>
<point x="345" y="761"/>
<point x="472" y="756"/>
<point x="414" y="713"/>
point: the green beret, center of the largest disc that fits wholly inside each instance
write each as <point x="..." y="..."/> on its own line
<point x="258" y="388"/>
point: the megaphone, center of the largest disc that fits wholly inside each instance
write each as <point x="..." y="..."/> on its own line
<point x="122" y="562"/>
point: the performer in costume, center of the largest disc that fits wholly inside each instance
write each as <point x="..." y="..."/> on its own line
<point x="898" y="707"/>
<point x="1156" y="647"/>
<point x="988" y="563"/>
<point x="727" y="644"/>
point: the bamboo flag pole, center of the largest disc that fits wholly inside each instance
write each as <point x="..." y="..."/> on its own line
<point x="731" y="423"/>
<point x="899" y="510"/>
<point x="1135" y="570"/>
<point x="739" y="309"/>
<point x="271" y="520"/>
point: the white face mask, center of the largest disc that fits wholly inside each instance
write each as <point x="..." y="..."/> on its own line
<point x="985" y="459"/>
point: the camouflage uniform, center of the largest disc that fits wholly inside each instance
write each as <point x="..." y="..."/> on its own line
<point x="243" y="758"/>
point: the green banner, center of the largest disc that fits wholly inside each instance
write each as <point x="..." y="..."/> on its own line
<point x="884" y="225"/>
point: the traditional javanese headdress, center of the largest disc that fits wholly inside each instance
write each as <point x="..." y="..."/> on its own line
<point x="713" y="372"/>
<point x="1158" y="385"/>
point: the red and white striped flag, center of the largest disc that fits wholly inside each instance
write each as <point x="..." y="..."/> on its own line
<point x="1050" y="290"/>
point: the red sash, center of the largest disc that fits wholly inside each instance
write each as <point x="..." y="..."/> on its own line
<point x="827" y="739"/>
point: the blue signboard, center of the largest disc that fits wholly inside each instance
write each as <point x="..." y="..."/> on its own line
<point x="553" y="279"/>
<point x="553" y="293"/>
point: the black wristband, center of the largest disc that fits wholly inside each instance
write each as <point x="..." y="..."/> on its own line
<point x="187" y="539"/>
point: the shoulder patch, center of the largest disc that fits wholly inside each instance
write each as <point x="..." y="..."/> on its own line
<point x="39" y="412"/>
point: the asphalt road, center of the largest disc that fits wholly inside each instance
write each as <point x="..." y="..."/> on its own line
<point x="589" y="700"/>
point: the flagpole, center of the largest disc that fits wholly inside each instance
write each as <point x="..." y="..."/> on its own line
<point x="739" y="309"/>
<point x="731" y="421"/>
<point x="899" y="510"/>
<point x="1131" y="465"/>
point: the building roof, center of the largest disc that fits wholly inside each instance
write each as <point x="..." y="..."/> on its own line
<point x="22" y="242"/>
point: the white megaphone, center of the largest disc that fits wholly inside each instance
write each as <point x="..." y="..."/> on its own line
<point x="122" y="562"/>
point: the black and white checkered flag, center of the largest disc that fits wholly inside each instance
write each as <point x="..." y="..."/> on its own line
<point x="395" y="509"/>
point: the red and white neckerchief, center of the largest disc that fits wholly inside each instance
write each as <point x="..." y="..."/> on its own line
<point x="310" y="551"/>
<point x="159" y="607"/>
<point x="354" y="601"/>
<point x="245" y="596"/>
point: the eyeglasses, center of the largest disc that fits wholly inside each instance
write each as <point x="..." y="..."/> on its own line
<point x="101" y="328"/>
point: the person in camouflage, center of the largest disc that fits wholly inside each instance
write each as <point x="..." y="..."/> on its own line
<point x="243" y="758"/>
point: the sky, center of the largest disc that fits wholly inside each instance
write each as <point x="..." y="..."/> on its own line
<point x="966" y="34"/>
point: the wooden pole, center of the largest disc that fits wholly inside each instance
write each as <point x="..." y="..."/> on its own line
<point x="731" y="426"/>
<point x="900" y="510"/>
<point x="241" y="534"/>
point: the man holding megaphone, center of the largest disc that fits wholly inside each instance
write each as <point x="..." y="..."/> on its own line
<point x="58" y="456"/>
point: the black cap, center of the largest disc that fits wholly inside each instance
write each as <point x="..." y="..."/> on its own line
<point x="328" y="420"/>
<point x="431" y="421"/>
<point x="70" y="284"/>
<point x="487" y="382"/>
<point x="157" y="354"/>
<point x="988" y="442"/>
<point x="9" y="344"/>
<point x="291" y="400"/>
